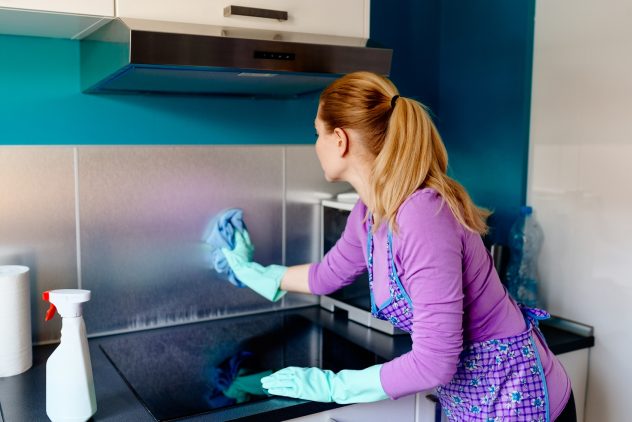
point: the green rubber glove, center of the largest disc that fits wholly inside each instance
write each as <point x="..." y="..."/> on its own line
<point x="243" y="245"/>
<point x="264" y="280"/>
<point x="320" y="385"/>
<point x="244" y="386"/>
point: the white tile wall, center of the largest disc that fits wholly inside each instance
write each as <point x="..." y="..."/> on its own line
<point x="580" y="182"/>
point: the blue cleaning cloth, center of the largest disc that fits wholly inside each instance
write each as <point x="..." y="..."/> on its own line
<point x="221" y="234"/>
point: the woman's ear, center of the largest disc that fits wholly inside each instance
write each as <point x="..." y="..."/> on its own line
<point x="342" y="141"/>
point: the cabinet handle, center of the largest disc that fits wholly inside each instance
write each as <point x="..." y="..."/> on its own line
<point x="255" y="12"/>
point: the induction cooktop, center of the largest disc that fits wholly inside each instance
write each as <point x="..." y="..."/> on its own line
<point x="198" y="368"/>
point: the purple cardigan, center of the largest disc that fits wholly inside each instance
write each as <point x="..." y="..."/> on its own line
<point x="456" y="293"/>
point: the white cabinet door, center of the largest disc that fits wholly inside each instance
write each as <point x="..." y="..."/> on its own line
<point x="346" y="18"/>
<point x="401" y="410"/>
<point x="79" y="7"/>
<point x="427" y="409"/>
<point x="57" y="19"/>
<point x="576" y="366"/>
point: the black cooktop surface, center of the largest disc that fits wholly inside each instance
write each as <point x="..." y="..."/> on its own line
<point x="202" y="367"/>
<point x="197" y="368"/>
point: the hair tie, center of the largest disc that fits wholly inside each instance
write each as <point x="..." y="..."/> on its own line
<point x="394" y="100"/>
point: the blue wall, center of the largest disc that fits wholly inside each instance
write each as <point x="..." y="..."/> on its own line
<point x="484" y="101"/>
<point x="470" y="62"/>
<point x="412" y="31"/>
<point x="41" y="103"/>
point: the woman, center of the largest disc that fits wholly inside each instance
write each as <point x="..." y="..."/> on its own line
<point x="419" y="234"/>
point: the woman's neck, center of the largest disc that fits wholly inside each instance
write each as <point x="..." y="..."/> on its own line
<point x="359" y="177"/>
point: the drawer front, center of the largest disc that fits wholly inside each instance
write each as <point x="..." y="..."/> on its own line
<point x="347" y="18"/>
<point x="401" y="410"/>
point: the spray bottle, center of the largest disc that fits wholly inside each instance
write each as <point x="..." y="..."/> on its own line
<point x="69" y="384"/>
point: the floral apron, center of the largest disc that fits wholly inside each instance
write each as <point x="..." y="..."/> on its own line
<point x="496" y="380"/>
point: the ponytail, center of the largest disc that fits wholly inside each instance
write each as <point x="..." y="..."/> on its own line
<point x="409" y="153"/>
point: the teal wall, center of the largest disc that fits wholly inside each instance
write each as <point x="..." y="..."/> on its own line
<point x="412" y="31"/>
<point x="484" y="101"/>
<point x="41" y="103"/>
<point x="470" y="62"/>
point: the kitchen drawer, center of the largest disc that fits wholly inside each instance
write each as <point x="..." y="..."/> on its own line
<point x="401" y="410"/>
<point x="345" y="18"/>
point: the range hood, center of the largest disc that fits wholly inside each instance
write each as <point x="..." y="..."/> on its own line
<point x="142" y="56"/>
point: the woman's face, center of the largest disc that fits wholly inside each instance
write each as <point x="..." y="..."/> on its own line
<point x="328" y="151"/>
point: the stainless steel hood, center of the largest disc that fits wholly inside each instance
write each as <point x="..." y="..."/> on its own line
<point x="141" y="56"/>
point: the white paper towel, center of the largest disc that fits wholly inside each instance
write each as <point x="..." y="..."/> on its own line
<point x="16" y="355"/>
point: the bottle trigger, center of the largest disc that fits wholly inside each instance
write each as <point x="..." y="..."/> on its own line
<point x="50" y="313"/>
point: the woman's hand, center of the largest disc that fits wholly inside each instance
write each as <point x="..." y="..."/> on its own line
<point x="244" y="248"/>
<point x="264" y="280"/>
<point x="316" y="384"/>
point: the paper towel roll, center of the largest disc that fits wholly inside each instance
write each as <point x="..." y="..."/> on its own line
<point x="16" y="355"/>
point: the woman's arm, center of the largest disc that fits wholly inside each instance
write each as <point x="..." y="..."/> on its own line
<point x="338" y="268"/>
<point x="429" y="247"/>
<point x="296" y="279"/>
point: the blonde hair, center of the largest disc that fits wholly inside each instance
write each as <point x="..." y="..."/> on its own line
<point x="407" y="149"/>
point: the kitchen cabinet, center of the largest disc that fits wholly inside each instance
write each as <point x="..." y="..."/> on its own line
<point x="348" y="18"/>
<point x="73" y="19"/>
<point x="78" y="7"/>
<point x="416" y="408"/>
<point x="576" y="366"/>
<point x="427" y="408"/>
<point x="402" y="410"/>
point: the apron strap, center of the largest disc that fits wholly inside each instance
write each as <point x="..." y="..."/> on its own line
<point x="532" y="317"/>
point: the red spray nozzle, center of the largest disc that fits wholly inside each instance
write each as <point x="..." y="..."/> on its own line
<point x="50" y="313"/>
